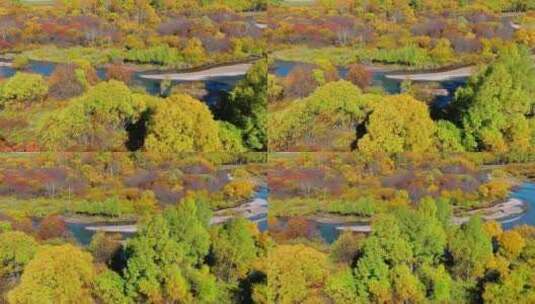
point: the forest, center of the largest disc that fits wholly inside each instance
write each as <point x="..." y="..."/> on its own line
<point x="85" y="91"/>
<point x="267" y="151"/>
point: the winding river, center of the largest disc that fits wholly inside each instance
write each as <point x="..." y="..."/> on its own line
<point x="389" y="80"/>
<point x="216" y="83"/>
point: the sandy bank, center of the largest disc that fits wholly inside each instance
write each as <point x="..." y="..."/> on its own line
<point x="356" y="228"/>
<point x="250" y="210"/>
<point x="435" y="76"/>
<point x="504" y="210"/>
<point x="222" y="71"/>
<point x="114" y="228"/>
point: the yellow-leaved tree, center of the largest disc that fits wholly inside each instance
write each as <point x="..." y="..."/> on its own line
<point x="182" y="124"/>
<point x="400" y="123"/>
<point x="57" y="274"/>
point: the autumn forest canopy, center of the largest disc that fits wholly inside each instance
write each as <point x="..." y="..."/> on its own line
<point x="267" y="151"/>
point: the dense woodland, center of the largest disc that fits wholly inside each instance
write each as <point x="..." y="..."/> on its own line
<point x="411" y="256"/>
<point x="415" y="252"/>
<point x="329" y="102"/>
<point x="423" y="187"/>
<point x="175" y="256"/>
<point x="351" y="185"/>
<point x="413" y="33"/>
<point x="168" y="33"/>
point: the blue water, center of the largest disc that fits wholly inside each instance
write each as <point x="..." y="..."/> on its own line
<point x="452" y="86"/>
<point x="328" y="231"/>
<point x="216" y="88"/>
<point x="84" y="236"/>
<point x="261" y="219"/>
<point x="79" y="232"/>
<point x="525" y="193"/>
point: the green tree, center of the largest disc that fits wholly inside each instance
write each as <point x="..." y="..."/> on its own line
<point x="496" y="103"/>
<point x="438" y="283"/>
<point x="386" y="248"/>
<point x="424" y="232"/>
<point x="231" y="137"/>
<point x="233" y="249"/>
<point x="448" y="137"/>
<point x="165" y="258"/>
<point x="23" y="88"/>
<point x="110" y="288"/>
<point x="341" y="287"/>
<point x="16" y="250"/>
<point x="400" y="123"/>
<point x="189" y="225"/>
<point x="372" y="274"/>
<point x="95" y="121"/>
<point x="246" y="106"/>
<point x="471" y="249"/>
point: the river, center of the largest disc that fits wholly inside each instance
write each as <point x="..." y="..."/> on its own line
<point x="216" y="87"/>
<point x="282" y="68"/>
<point x="525" y="193"/>
<point x="83" y="235"/>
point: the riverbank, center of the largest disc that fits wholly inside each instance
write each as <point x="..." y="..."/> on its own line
<point x="508" y="209"/>
<point x="440" y="74"/>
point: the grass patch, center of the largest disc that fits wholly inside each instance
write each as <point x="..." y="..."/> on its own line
<point x="42" y="207"/>
<point x="338" y="55"/>
<point x="37" y="207"/>
<point x="60" y="55"/>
